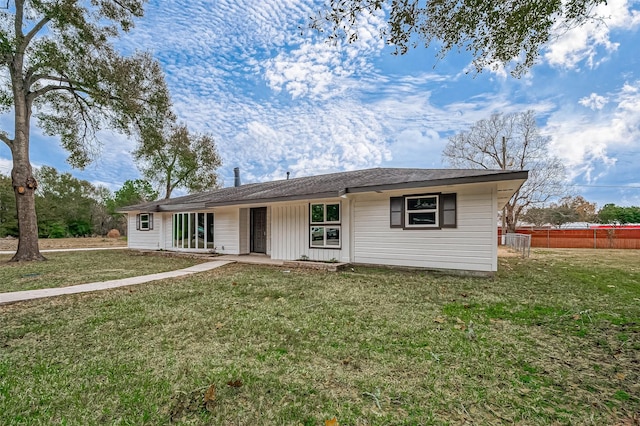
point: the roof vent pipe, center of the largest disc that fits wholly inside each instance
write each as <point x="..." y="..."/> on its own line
<point x="236" y="176"/>
<point x="288" y="173"/>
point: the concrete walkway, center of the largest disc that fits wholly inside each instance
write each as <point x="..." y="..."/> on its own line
<point x="19" y="296"/>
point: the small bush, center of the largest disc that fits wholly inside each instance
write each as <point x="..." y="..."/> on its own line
<point x="114" y="233"/>
<point x="52" y="230"/>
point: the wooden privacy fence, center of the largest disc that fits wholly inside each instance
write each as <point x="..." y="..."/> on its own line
<point x="583" y="238"/>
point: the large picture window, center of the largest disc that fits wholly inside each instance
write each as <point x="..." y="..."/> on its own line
<point x="324" y="225"/>
<point x="428" y="211"/>
<point x="193" y="231"/>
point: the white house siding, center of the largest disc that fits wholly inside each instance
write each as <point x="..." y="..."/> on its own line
<point x="470" y="246"/>
<point x="144" y="240"/>
<point x="244" y="231"/>
<point x="227" y="230"/>
<point x="290" y="233"/>
<point x="167" y="231"/>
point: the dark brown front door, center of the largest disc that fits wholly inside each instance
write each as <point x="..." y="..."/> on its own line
<point x="259" y="230"/>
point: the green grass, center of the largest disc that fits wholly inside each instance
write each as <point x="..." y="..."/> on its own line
<point x="69" y="268"/>
<point x="552" y="343"/>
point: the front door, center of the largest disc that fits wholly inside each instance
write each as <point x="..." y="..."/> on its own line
<point x="259" y="230"/>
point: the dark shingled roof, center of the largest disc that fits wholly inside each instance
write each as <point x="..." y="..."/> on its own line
<point x="329" y="185"/>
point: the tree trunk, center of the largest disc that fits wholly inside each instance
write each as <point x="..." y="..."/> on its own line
<point x="24" y="185"/>
<point x="511" y="223"/>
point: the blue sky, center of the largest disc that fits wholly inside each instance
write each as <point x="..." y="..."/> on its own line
<point x="279" y="100"/>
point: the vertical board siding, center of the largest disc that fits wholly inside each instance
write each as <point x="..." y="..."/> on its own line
<point x="167" y="220"/>
<point x="244" y="231"/>
<point x="145" y="240"/>
<point x="288" y="231"/>
<point x="268" y="248"/>
<point x="290" y="234"/>
<point x="467" y="247"/>
<point x="226" y="230"/>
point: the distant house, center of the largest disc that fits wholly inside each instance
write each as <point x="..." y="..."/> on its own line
<point x="436" y="219"/>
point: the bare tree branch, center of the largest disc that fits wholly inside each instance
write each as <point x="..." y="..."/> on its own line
<point x="510" y="142"/>
<point x="4" y="138"/>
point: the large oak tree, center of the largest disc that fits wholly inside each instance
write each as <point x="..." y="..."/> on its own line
<point x="511" y="142"/>
<point x="59" y="63"/>
<point x="494" y="32"/>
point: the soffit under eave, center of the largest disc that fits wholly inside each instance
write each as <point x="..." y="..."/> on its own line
<point x="506" y="189"/>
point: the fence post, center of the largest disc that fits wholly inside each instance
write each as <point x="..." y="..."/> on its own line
<point x="548" y="242"/>
<point x="595" y="243"/>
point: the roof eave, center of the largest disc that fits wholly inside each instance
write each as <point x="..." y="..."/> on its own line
<point x="139" y="208"/>
<point x="441" y="182"/>
<point x="317" y="195"/>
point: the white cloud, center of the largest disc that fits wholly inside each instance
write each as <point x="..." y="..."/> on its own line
<point x="584" y="42"/>
<point x="5" y="166"/>
<point x="319" y="69"/>
<point x="588" y="143"/>
<point x="594" y="101"/>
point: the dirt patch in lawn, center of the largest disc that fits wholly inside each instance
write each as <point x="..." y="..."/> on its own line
<point x="66" y="243"/>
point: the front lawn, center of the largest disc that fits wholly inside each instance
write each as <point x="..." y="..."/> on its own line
<point x="69" y="268"/>
<point x="554" y="339"/>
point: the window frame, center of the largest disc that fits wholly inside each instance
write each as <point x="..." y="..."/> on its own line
<point x="193" y="230"/>
<point x="435" y="211"/>
<point x="148" y="221"/>
<point x="326" y="226"/>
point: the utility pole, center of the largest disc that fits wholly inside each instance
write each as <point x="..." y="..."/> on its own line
<point x="504" y="208"/>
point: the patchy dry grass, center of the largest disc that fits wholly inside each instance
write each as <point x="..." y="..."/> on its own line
<point x="69" y="268"/>
<point x="554" y="339"/>
<point x="65" y="243"/>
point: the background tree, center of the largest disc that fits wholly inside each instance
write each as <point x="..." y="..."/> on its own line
<point x="494" y="32"/>
<point x="64" y="204"/>
<point x="583" y="210"/>
<point x="538" y="216"/>
<point x="174" y="158"/>
<point x="102" y="221"/>
<point x="132" y="192"/>
<point x="561" y="215"/>
<point x="58" y="61"/>
<point x="8" y="218"/>
<point x="567" y="210"/>
<point x="510" y="142"/>
<point x="610" y="213"/>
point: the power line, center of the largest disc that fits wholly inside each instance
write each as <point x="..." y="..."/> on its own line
<point x="607" y="186"/>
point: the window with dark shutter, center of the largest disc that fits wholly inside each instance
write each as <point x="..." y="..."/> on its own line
<point x="428" y="211"/>
<point x="144" y="221"/>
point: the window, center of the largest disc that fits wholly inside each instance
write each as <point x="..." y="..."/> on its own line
<point x="144" y="221"/>
<point x="421" y="211"/>
<point x="193" y="230"/>
<point x="325" y="213"/>
<point x="324" y="228"/>
<point x="428" y="211"/>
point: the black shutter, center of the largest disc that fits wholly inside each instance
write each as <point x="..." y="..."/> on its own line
<point x="138" y="222"/>
<point x="396" y="212"/>
<point x="150" y="221"/>
<point x="448" y="211"/>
